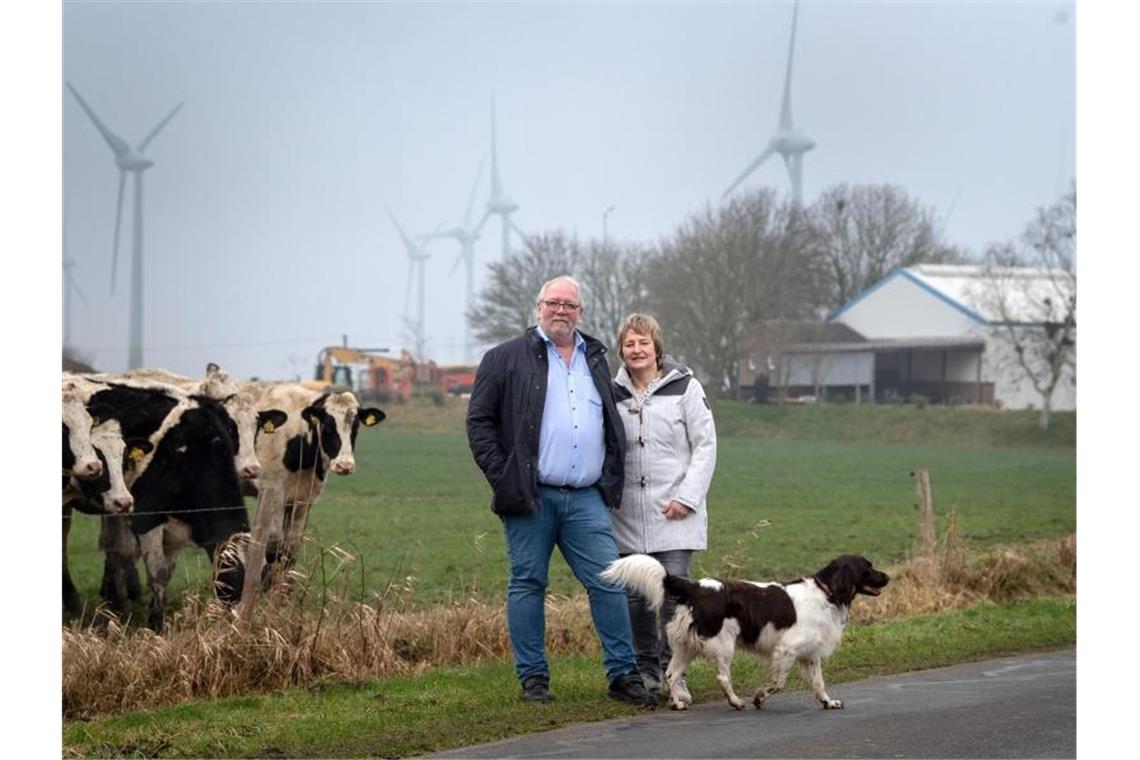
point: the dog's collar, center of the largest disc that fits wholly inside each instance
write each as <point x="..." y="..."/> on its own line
<point x="826" y="591"/>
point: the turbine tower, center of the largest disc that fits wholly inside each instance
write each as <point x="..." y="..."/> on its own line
<point x="71" y="287"/>
<point x="499" y="204"/>
<point x="466" y="234"/>
<point x="131" y="160"/>
<point x="417" y="255"/>
<point x="788" y="141"/>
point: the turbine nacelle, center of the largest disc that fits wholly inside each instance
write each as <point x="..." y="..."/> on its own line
<point x="133" y="162"/>
<point x="794" y="142"/>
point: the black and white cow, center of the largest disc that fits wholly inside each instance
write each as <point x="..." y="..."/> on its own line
<point x="106" y="494"/>
<point x="79" y="458"/>
<point x="318" y="437"/>
<point x="187" y="494"/>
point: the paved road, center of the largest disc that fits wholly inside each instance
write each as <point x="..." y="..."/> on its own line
<point x="1012" y="707"/>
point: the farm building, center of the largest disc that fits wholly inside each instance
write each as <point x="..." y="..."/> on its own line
<point x="933" y="331"/>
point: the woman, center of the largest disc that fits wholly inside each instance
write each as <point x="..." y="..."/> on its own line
<point x="669" y="463"/>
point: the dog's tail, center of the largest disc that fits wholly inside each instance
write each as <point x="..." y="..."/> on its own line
<point x="640" y="573"/>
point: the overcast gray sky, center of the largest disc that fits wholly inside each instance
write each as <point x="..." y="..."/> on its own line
<point x="266" y="233"/>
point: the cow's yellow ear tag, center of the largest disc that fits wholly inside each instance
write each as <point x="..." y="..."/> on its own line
<point x="268" y="427"/>
<point x="137" y="453"/>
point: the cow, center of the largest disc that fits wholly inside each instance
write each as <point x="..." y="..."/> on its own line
<point x="188" y="494"/>
<point x="120" y="576"/>
<point x="318" y="437"/>
<point x="237" y="403"/>
<point x="106" y="494"/>
<point x="79" y="458"/>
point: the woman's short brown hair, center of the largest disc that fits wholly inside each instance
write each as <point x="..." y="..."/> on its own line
<point x="642" y="324"/>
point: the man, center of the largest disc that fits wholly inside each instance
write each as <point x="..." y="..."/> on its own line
<point x="543" y="427"/>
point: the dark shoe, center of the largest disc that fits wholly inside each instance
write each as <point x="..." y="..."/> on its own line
<point x="630" y="688"/>
<point x="536" y="689"/>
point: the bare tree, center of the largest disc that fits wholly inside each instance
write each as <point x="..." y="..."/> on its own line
<point x="1031" y="288"/>
<point x="726" y="269"/>
<point x="611" y="276"/>
<point x="866" y="230"/>
<point x="505" y="306"/>
<point x="613" y="279"/>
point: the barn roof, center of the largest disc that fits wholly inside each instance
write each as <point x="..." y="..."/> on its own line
<point x="964" y="287"/>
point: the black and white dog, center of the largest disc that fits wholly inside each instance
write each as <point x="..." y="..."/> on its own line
<point x="797" y="622"/>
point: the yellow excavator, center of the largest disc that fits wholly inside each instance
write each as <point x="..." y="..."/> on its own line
<point x="365" y="372"/>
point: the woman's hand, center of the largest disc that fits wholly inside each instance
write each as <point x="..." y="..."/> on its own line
<point x="675" y="511"/>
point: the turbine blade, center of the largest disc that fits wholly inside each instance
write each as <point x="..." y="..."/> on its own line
<point x="78" y="291"/>
<point x="118" y="223"/>
<point x="408" y="287"/>
<point x="486" y="215"/>
<point x="117" y="144"/>
<point x="407" y="241"/>
<point x="146" y="140"/>
<point x="751" y="168"/>
<point x="786" y="107"/>
<point x="496" y="183"/>
<point x="471" y="197"/>
<point x="455" y="266"/>
<point x="522" y="235"/>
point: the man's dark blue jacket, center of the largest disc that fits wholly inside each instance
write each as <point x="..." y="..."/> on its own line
<point x="504" y="417"/>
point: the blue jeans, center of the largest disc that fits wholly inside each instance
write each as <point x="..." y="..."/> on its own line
<point x="579" y="523"/>
<point x="653" y="650"/>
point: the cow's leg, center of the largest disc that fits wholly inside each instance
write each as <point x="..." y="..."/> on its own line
<point x="812" y="671"/>
<point x="782" y="660"/>
<point x="294" y="534"/>
<point x="72" y="602"/>
<point x="120" y="576"/>
<point x="157" y="575"/>
<point x="270" y="506"/>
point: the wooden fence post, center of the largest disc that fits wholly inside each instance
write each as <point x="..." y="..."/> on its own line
<point x="925" y="510"/>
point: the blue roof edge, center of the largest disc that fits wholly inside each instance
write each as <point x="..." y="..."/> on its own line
<point x="902" y="272"/>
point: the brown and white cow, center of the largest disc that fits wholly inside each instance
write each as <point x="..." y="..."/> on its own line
<point x="318" y="437"/>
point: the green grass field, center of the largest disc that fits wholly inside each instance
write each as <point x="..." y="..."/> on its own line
<point x="794" y="486"/>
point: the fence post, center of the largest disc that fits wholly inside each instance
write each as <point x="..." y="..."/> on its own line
<point x="925" y="510"/>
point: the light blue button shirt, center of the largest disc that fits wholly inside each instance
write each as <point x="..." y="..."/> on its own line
<point x="571" y="441"/>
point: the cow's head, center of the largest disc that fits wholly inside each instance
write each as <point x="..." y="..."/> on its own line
<point x="79" y="457"/>
<point x="120" y="459"/>
<point x="248" y="424"/>
<point x="335" y="419"/>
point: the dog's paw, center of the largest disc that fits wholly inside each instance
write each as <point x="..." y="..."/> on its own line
<point x="737" y="703"/>
<point x="832" y="704"/>
<point x="678" y="705"/>
<point x="758" y="700"/>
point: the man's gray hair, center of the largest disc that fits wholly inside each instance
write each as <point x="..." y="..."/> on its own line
<point x="561" y="278"/>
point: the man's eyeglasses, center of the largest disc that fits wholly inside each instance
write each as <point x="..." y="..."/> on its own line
<point x="556" y="305"/>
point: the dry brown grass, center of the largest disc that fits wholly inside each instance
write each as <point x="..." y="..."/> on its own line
<point x="294" y="640"/>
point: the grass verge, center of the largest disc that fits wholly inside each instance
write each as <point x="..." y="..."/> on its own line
<point x="444" y="708"/>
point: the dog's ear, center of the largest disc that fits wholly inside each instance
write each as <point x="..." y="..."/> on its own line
<point x="841" y="578"/>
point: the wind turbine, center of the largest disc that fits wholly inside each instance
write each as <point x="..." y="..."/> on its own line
<point x="788" y="141"/>
<point x="466" y="235"/>
<point x="499" y="204"/>
<point x="131" y="160"/>
<point x="417" y="255"/>
<point x="70" y="286"/>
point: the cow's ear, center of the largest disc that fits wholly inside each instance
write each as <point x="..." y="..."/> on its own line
<point x="270" y="420"/>
<point x="137" y="448"/>
<point x="370" y="416"/>
<point x="310" y="414"/>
